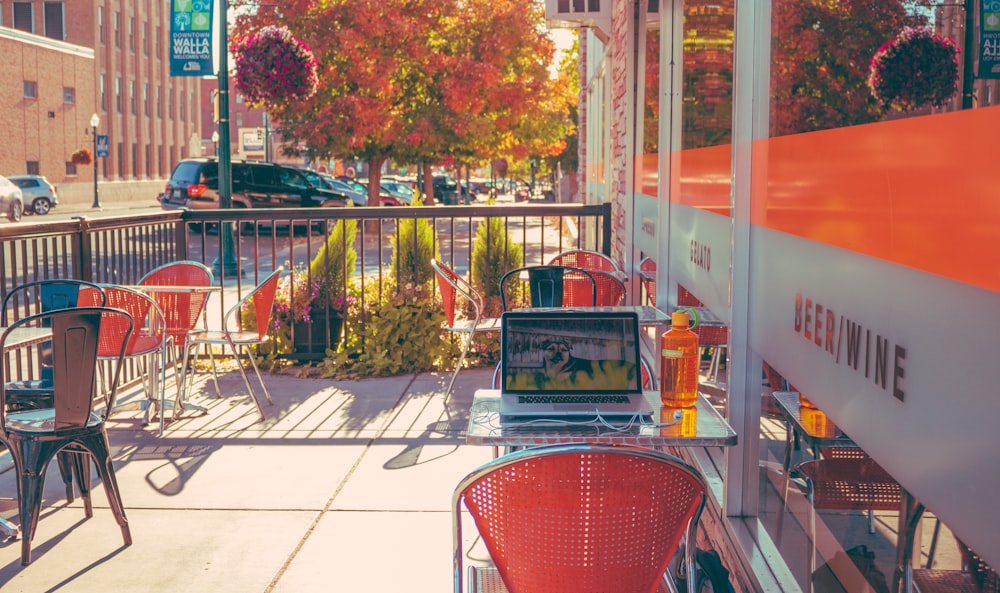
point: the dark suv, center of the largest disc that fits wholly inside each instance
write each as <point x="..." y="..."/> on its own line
<point x="194" y="184"/>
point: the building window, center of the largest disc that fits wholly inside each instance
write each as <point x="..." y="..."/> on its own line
<point x="55" y="24"/>
<point x="170" y="103"/>
<point x="118" y="29"/>
<point x="24" y="18"/>
<point x="100" y="23"/>
<point x="135" y="161"/>
<point x="239" y="119"/>
<point x="159" y="41"/>
<point x="131" y="34"/>
<point x="145" y="98"/>
<point x="239" y="98"/>
<point x="145" y="38"/>
<point x="70" y="168"/>
<point x="104" y="95"/>
<point x="131" y="95"/>
<point x="121" y="160"/>
<point x="159" y="161"/>
<point x="183" y="106"/>
<point x="149" y="161"/>
<point x="159" y="101"/>
<point x="30" y="89"/>
<point x="69" y="94"/>
<point x="118" y="93"/>
<point x="33" y="168"/>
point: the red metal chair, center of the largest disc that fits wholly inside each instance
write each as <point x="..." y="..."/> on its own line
<point x="852" y="481"/>
<point x="579" y="518"/>
<point x="71" y="422"/>
<point x="149" y="341"/>
<point x="586" y="259"/>
<point x="182" y="310"/>
<point x="232" y="335"/>
<point x="454" y="290"/>
<point x="647" y="276"/>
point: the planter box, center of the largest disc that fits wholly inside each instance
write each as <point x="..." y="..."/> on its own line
<point x="314" y="337"/>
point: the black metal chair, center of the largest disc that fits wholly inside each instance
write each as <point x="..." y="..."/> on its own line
<point x="71" y="422"/>
<point x="548" y="286"/>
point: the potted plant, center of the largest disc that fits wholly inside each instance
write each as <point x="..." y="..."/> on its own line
<point x="82" y="156"/>
<point x="311" y="302"/>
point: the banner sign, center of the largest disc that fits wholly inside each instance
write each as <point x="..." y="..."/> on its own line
<point x="191" y="37"/>
<point x="102" y="145"/>
<point x="989" y="39"/>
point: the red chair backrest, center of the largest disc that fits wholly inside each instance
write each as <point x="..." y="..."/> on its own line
<point x="261" y="299"/>
<point x="181" y="310"/>
<point x="114" y="329"/>
<point x="581" y="518"/>
<point x="588" y="260"/>
<point x="447" y="278"/>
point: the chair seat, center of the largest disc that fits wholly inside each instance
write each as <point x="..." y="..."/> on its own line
<point x="943" y="581"/>
<point x="851" y="484"/>
<point x="212" y="337"/>
<point x="144" y="344"/>
<point x="44" y="420"/>
<point x="487" y="580"/>
<point x="484" y="325"/>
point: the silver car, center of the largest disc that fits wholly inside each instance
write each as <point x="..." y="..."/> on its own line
<point x="39" y="195"/>
<point x="11" y="200"/>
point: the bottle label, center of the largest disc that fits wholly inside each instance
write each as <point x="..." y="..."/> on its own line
<point x="672" y="353"/>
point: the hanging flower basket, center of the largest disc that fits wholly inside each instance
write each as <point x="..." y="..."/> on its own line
<point x="82" y="156"/>
<point x="915" y="69"/>
<point x="273" y="67"/>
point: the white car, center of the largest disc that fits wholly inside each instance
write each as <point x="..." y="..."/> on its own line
<point x="11" y="199"/>
<point x="38" y="194"/>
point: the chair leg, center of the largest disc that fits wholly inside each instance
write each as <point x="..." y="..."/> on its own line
<point x="246" y="380"/>
<point x="65" y="462"/>
<point x="81" y="464"/>
<point x="467" y="345"/>
<point x="31" y="458"/>
<point x="97" y="444"/>
<point x="256" y="369"/>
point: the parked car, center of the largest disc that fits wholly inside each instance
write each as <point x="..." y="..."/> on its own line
<point x="384" y="196"/>
<point x="38" y="194"/>
<point x="358" y="193"/>
<point x="400" y="191"/>
<point x="11" y="200"/>
<point x="446" y="190"/>
<point x="194" y="184"/>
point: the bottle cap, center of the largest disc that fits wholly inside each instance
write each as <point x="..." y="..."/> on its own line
<point x="679" y="319"/>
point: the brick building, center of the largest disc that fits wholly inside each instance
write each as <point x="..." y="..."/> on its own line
<point x="108" y="57"/>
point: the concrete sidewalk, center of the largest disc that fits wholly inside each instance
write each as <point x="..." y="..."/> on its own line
<point x="346" y="486"/>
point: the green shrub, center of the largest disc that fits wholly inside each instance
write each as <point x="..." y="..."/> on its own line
<point x="413" y="248"/>
<point x="493" y="255"/>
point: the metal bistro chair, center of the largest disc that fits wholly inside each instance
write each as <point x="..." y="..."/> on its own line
<point x="182" y="310"/>
<point x="548" y="286"/>
<point x="41" y="296"/>
<point x="71" y="422"/>
<point x="232" y="335"/>
<point x="580" y="518"/>
<point x="149" y="341"/>
<point x="849" y="480"/>
<point x="453" y="289"/>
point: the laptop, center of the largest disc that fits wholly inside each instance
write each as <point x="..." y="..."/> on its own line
<point x="570" y="365"/>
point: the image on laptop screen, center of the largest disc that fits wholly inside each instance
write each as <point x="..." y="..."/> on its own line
<point x="570" y="352"/>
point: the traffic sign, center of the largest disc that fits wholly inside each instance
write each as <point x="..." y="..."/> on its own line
<point x="102" y="145"/>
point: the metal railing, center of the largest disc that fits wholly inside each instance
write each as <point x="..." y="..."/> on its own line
<point x="120" y="250"/>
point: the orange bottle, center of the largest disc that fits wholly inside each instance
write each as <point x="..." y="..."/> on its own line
<point x="685" y="426"/>
<point x="679" y="364"/>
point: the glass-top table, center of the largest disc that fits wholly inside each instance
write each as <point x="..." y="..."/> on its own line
<point x="701" y="426"/>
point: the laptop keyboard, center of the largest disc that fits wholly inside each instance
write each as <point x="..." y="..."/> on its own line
<point x="573" y="399"/>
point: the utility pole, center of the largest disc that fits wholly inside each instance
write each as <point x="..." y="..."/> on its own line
<point x="225" y="264"/>
<point x="969" y="49"/>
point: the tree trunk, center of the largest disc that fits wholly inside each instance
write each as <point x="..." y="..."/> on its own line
<point x="428" y="189"/>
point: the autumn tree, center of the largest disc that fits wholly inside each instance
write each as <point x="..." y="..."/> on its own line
<point x="821" y="53"/>
<point x="414" y="80"/>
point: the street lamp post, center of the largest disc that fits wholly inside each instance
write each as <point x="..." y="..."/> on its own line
<point x="94" y="121"/>
<point x="225" y="264"/>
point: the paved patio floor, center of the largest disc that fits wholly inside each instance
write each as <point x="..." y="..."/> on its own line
<point x="346" y="486"/>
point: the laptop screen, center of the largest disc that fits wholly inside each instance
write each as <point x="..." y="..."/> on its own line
<point x="570" y="352"/>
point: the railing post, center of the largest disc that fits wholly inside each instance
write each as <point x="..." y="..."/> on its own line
<point x="181" y="237"/>
<point x="606" y="228"/>
<point x="83" y="264"/>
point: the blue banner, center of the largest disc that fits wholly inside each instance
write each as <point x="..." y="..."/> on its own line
<point x="191" y="37"/>
<point x="989" y="39"/>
